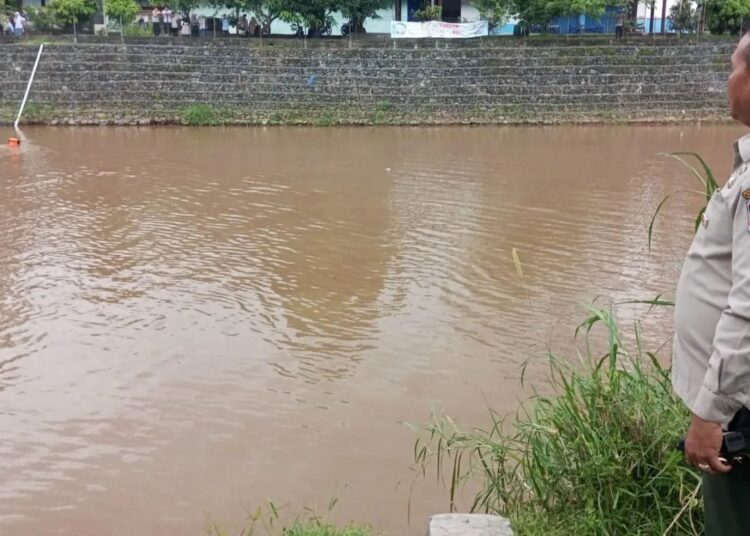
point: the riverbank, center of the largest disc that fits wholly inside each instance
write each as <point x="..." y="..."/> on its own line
<point x="368" y="82"/>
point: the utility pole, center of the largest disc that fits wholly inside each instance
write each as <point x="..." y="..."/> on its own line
<point x="664" y="16"/>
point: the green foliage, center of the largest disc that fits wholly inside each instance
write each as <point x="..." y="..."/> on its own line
<point x="124" y="10"/>
<point x="596" y="457"/>
<point x="326" y="119"/>
<point x="311" y="13"/>
<point x="184" y="6"/>
<point x="265" y="11"/>
<point x="727" y="15"/>
<point x="199" y="115"/>
<point x="382" y="114"/>
<point x="360" y="10"/>
<point x="702" y="173"/>
<point x="42" y="19"/>
<point x="135" y="30"/>
<point x="592" y="8"/>
<point x="495" y="12"/>
<point x="539" y="12"/>
<point x="73" y="11"/>
<point x="682" y="16"/>
<point x="429" y="12"/>
<point x="270" y="520"/>
<point x="322" y="528"/>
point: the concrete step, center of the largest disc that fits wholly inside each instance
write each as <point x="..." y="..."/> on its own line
<point x="336" y="88"/>
<point x="229" y="99"/>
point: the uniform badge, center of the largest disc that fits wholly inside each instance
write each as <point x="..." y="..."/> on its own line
<point x="746" y="194"/>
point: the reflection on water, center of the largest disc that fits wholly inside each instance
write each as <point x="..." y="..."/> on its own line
<point x="194" y="320"/>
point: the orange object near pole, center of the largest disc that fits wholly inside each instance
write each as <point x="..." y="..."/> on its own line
<point x="14" y="142"/>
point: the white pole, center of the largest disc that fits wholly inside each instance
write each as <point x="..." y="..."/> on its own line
<point x="28" y="87"/>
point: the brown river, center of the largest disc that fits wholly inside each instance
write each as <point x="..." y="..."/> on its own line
<point x="193" y="321"/>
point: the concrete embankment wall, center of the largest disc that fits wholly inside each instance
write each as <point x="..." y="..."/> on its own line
<point x="415" y="83"/>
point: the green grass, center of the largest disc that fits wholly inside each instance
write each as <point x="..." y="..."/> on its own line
<point x="316" y="527"/>
<point x="647" y="51"/>
<point x="271" y="520"/>
<point x="34" y="41"/>
<point x="325" y="529"/>
<point x="382" y="114"/>
<point x="199" y="115"/>
<point x="596" y="457"/>
<point x="327" y="119"/>
<point x="135" y="30"/>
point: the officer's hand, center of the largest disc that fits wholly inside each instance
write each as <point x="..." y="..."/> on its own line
<point x="702" y="446"/>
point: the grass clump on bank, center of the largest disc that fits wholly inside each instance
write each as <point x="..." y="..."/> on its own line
<point x="270" y="521"/>
<point x="325" y="529"/>
<point x="596" y="457"/>
<point x="199" y="115"/>
<point x="307" y="528"/>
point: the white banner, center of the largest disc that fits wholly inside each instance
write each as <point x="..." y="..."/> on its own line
<point x="448" y="30"/>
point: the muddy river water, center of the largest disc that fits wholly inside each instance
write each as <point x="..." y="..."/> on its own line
<point x="195" y="320"/>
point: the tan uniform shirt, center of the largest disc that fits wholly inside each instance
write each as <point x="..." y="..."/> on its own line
<point x="711" y="362"/>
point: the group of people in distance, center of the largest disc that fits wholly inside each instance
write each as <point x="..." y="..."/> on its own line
<point x="167" y="22"/>
<point x="15" y="25"/>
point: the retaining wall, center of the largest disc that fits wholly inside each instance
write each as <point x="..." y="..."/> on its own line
<point x="414" y="83"/>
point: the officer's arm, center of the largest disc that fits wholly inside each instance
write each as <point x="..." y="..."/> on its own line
<point x="726" y="385"/>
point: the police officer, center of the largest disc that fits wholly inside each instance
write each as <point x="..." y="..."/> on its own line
<point x="711" y="366"/>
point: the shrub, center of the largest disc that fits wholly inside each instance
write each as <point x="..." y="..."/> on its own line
<point x="73" y="11"/>
<point x="199" y="115"/>
<point x="727" y="15"/>
<point x="596" y="457"/>
<point x="428" y="13"/>
<point x="43" y="19"/>
<point x="135" y="30"/>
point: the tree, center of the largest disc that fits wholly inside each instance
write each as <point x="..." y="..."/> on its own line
<point x="266" y="11"/>
<point x="73" y="11"/>
<point x="682" y="16"/>
<point x="42" y="19"/>
<point x="182" y="6"/>
<point x="357" y="11"/>
<point x="536" y="12"/>
<point x="122" y="10"/>
<point x="315" y="14"/>
<point x="727" y="15"/>
<point x="235" y="6"/>
<point x="429" y="12"/>
<point x="495" y="12"/>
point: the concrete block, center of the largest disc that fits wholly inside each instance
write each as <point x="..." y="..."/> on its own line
<point x="469" y="525"/>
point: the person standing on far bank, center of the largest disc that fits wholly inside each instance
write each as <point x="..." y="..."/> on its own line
<point x="20" y="24"/>
<point x="156" y="21"/>
<point x="620" y="24"/>
<point x="167" y="21"/>
<point x="202" y="26"/>
<point x="225" y="25"/>
<point x="711" y="361"/>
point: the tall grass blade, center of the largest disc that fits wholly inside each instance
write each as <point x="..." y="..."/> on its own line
<point x="653" y="220"/>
